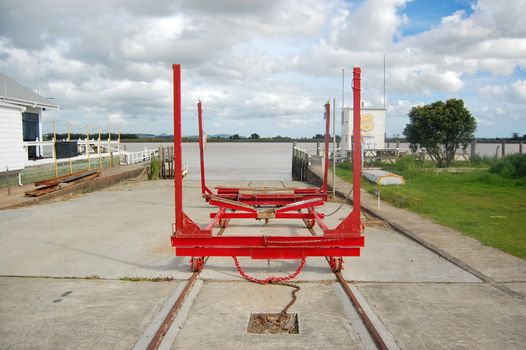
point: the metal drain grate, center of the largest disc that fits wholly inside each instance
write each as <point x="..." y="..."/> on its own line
<point x="273" y="323"/>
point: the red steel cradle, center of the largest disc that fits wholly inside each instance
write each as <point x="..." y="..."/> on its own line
<point x="190" y="239"/>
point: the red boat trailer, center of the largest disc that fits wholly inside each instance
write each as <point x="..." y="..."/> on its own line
<point x="190" y="239"/>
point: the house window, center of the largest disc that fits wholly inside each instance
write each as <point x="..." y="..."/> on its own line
<point x="30" y="132"/>
<point x="30" y="126"/>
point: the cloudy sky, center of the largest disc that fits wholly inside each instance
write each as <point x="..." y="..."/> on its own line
<point x="266" y="66"/>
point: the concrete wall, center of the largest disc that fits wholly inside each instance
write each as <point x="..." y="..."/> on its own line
<point x="12" y="153"/>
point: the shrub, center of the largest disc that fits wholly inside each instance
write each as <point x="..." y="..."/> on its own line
<point x="155" y="167"/>
<point x="345" y="165"/>
<point x="511" y="167"/>
<point x="409" y="167"/>
<point x="476" y="159"/>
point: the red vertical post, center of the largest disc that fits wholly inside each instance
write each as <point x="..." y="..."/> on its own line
<point x="201" y="147"/>
<point x="327" y="139"/>
<point x="357" y="144"/>
<point x="178" y="161"/>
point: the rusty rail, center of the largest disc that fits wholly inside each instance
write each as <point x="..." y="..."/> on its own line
<point x="373" y="332"/>
<point x="168" y="320"/>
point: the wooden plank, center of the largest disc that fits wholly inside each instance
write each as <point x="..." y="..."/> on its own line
<point x="78" y="176"/>
<point x="42" y="191"/>
<point x="71" y="181"/>
<point x="57" y="180"/>
<point x="82" y="179"/>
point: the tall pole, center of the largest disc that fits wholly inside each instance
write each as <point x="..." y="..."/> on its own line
<point x="343" y="114"/>
<point x="326" y="153"/>
<point x="357" y="150"/>
<point x="204" y="189"/>
<point x="334" y="147"/>
<point x="178" y="170"/>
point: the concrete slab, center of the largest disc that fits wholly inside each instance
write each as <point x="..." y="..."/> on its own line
<point x="497" y="265"/>
<point x="124" y="232"/>
<point x="518" y="287"/>
<point x="220" y="314"/>
<point x="40" y="313"/>
<point x="446" y="316"/>
<point x="389" y="256"/>
<point x="111" y="234"/>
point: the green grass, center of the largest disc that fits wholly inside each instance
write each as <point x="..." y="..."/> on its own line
<point x="480" y="204"/>
<point x="147" y="279"/>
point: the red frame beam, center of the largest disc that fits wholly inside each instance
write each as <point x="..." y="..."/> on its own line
<point x="204" y="189"/>
<point x="178" y="162"/>
<point x="323" y="188"/>
<point x="357" y="142"/>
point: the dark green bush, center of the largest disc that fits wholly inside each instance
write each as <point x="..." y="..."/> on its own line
<point x="511" y="167"/>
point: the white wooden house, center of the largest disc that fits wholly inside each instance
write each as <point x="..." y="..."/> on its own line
<point x="21" y="111"/>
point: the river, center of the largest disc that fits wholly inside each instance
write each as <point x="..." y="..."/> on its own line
<point x="260" y="160"/>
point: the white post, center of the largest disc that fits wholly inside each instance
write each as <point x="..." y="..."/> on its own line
<point x="334" y="147"/>
<point x="119" y="144"/>
<point x="38" y="150"/>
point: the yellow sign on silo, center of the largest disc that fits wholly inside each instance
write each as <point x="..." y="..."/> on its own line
<point x="367" y="122"/>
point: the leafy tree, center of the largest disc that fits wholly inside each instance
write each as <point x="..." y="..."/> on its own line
<point x="440" y="128"/>
<point x="234" y="137"/>
<point x="254" y="136"/>
<point x="515" y="136"/>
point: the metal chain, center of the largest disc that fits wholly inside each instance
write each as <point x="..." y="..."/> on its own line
<point x="270" y="279"/>
<point x="294" y="297"/>
<point x="281" y="280"/>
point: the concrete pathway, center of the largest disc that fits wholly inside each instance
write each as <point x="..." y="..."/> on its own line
<point x="422" y="299"/>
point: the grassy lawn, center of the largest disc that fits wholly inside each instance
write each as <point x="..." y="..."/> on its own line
<point x="480" y="204"/>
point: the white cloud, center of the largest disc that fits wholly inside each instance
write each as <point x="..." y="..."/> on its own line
<point x="514" y="93"/>
<point x="117" y="119"/>
<point x="261" y="63"/>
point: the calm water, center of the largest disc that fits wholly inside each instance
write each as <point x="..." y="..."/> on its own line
<point x="260" y="161"/>
<point x="236" y="161"/>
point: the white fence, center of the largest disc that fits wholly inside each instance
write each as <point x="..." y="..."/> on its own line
<point x="138" y="156"/>
<point x="87" y="149"/>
